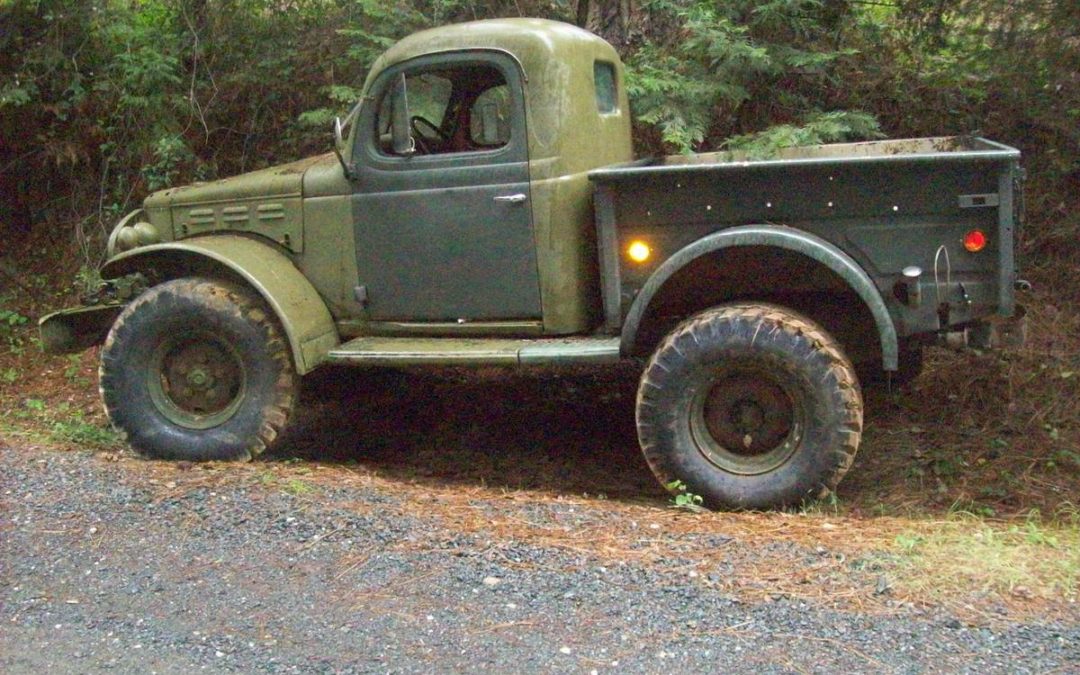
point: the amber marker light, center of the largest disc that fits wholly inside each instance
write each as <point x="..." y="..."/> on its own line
<point x="638" y="251"/>
<point x="975" y="241"/>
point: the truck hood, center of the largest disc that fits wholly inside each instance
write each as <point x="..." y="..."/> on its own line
<point x="285" y="180"/>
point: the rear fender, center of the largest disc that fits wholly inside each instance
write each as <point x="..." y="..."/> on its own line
<point x="787" y="238"/>
<point x="301" y="311"/>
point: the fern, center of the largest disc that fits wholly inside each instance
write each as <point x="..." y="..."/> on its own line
<point x="696" y="83"/>
<point x="817" y="128"/>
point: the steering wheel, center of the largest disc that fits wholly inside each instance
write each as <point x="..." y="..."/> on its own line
<point x="425" y="132"/>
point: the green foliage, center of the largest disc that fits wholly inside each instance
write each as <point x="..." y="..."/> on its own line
<point x="736" y="67"/>
<point x="816" y="128"/>
<point x="11" y="322"/>
<point x="344" y="97"/>
<point x="74" y="365"/>
<point x="87" y="280"/>
<point x="827" y="505"/>
<point x="62" y="423"/>
<point x="102" y="101"/>
<point x="1035" y="532"/>
<point x="1003" y="68"/>
<point x="84" y="434"/>
<point x="1040" y="557"/>
<point x="669" y="99"/>
<point x="12" y="95"/>
<point x="10" y="318"/>
<point x="170" y="154"/>
<point x="909" y="542"/>
<point x="369" y="27"/>
<point x="73" y="370"/>
<point x="683" y="498"/>
<point x="297" y="487"/>
<point x="971" y="509"/>
<point x="1064" y="459"/>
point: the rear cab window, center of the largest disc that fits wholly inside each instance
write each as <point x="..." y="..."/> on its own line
<point x="607" y="98"/>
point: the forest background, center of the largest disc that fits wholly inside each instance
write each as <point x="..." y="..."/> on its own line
<point x="103" y="101"/>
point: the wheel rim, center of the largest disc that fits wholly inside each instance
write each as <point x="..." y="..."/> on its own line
<point x="746" y="422"/>
<point x="196" y="381"/>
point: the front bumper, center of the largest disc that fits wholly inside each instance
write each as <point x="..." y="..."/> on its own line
<point x="78" y="328"/>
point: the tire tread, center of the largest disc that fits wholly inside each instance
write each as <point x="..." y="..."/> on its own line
<point x="773" y="318"/>
<point x="225" y="296"/>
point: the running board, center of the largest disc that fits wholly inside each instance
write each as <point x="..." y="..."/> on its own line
<point x="411" y="351"/>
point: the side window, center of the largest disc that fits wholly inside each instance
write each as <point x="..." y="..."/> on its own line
<point x="489" y="120"/>
<point x="604" y="77"/>
<point x="464" y="108"/>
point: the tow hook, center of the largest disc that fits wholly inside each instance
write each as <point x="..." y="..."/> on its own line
<point x="992" y="333"/>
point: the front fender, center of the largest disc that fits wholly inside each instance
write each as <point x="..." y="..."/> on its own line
<point x="787" y="238"/>
<point x="301" y="311"/>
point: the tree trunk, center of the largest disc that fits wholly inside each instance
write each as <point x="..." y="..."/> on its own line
<point x="610" y="19"/>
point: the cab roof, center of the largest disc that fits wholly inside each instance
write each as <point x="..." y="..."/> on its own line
<point x="535" y="43"/>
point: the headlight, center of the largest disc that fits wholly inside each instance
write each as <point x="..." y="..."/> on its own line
<point x="131" y="232"/>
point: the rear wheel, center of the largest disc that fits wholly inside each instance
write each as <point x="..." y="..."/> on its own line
<point x="750" y="406"/>
<point x="197" y="369"/>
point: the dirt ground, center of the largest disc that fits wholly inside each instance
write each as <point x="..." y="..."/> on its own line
<point x="472" y="521"/>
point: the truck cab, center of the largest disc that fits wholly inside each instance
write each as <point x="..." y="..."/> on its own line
<point x="482" y="215"/>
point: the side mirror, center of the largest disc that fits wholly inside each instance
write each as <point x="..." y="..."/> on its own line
<point x="402" y="139"/>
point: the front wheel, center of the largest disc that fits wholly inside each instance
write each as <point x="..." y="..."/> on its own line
<point x="197" y="369"/>
<point x="749" y="406"/>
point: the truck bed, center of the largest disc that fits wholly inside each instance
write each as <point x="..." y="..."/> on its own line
<point x="886" y="204"/>
<point x="910" y="149"/>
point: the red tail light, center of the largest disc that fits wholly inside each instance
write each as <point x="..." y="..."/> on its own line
<point x="975" y="241"/>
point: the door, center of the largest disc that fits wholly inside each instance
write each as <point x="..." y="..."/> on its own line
<point x="444" y="226"/>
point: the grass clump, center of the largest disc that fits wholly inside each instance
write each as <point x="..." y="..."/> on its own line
<point x="1033" y="558"/>
<point x="85" y="434"/>
<point x="60" y="423"/>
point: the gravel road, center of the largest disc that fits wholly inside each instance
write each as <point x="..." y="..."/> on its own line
<point x="114" y="564"/>
<point x="460" y="542"/>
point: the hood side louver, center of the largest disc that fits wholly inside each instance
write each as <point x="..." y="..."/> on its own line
<point x="279" y="219"/>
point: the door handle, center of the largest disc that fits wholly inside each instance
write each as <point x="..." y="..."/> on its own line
<point x="512" y="199"/>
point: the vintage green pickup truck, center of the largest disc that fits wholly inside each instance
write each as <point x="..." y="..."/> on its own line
<point x="483" y="206"/>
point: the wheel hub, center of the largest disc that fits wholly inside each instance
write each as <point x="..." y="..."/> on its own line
<point x="200" y="379"/>
<point x="196" y="381"/>
<point x="747" y="417"/>
<point x="746" y="423"/>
